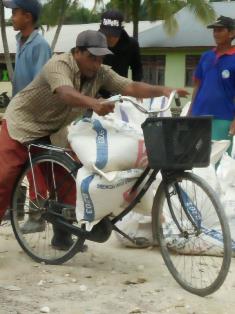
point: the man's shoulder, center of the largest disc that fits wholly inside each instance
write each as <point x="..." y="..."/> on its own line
<point x="104" y="70"/>
<point x="61" y="57"/>
<point x="129" y="40"/>
<point x="59" y="61"/>
<point x="209" y="53"/>
<point x="40" y="40"/>
<point x="105" y="67"/>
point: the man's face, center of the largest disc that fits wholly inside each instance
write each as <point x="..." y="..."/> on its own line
<point x="222" y="35"/>
<point x="88" y="64"/>
<point x="20" y="19"/>
<point x="112" y="40"/>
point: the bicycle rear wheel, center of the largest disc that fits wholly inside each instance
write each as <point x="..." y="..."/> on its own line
<point x="50" y="185"/>
<point x="193" y="233"/>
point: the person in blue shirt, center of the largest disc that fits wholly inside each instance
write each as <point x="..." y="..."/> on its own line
<point x="214" y="90"/>
<point x="32" y="49"/>
<point x="32" y="53"/>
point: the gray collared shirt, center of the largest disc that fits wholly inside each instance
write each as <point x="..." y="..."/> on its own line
<point x="36" y="111"/>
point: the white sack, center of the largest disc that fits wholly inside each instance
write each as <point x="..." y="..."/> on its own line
<point x="226" y="172"/>
<point x="218" y="148"/>
<point x="135" y="226"/>
<point x="209" y="175"/>
<point x="108" y="144"/>
<point x="98" y="197"/>
<point x="125" y="111"/>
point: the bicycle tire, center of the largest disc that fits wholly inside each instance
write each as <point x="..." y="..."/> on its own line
<point x="38" y="244"/>
<point x="179" y="248"/>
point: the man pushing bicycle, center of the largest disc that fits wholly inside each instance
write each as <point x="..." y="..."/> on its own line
<point x="65" y="89"/>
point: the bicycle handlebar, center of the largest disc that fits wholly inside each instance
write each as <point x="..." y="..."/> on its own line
<point x="173" y="95"/>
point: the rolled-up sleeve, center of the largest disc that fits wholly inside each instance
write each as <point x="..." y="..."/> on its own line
<point x="58" y="73"/>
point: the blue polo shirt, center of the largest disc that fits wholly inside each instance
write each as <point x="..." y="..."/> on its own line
<point x="30" y="58"/>
<point x="216" y="93"/>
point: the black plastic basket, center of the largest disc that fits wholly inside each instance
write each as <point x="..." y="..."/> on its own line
<point x="178" y="143"/>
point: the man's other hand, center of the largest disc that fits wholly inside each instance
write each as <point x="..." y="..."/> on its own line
<point x="103" y="107"/>
<point x="180" y="91"/>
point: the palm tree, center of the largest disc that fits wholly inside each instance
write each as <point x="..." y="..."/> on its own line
<point x="162" y="9"/>
<point x="4" y="41"/>
<point x="167" y="9"/>
<point x="54" y="13"/>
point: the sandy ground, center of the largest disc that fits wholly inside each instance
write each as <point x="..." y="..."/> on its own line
<point x="98" y="282"/>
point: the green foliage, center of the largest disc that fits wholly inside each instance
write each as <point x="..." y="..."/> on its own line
<point x="52" y="11"/>
<point x="81" y="16"/>
<point x="74" y="13"/>
<point x="202" y="9"/>
<point x="135" y="10"/>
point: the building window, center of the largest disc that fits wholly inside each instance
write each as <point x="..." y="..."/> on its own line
<point x="154" y="69"/>
<point x="191" y="62"/>
<point x="4" y="77"/>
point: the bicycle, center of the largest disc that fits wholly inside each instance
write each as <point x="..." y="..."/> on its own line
<point x="186" y="212"/>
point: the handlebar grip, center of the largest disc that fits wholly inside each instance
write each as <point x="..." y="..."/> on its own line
<point x="177" y="101"/>
<point x="114" y="98"/>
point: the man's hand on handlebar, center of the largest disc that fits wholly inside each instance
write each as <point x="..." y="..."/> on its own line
<point x="180" y="91"/>
<point x="103" y="107"/>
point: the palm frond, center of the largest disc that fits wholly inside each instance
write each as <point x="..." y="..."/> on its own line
<point x="202" y="10"/>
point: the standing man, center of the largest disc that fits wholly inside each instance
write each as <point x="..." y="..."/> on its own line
<point x="68" y="82"/>
<point x="32" y="49"/>
<point x="214" y="90"/>
<point x="32" y="53"/>
<point x="125" y="49"/>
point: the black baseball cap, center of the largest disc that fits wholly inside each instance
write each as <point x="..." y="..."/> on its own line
<point x="223" y="21"/>
<point x="111" y="23"/>
<point x="32" y="6"/>
<point x="94" y="41"/>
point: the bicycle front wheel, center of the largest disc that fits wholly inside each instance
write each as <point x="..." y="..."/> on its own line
<point x="48" y="184"/>
<point x="193" y="233"/>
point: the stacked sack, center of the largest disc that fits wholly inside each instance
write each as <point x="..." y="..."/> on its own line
<point x="113" y="155"/>
<point x="226" y="175"/>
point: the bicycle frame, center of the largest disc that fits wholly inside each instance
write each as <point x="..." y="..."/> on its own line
<point x="57" y="218"/>
<point x="150" y="174"/>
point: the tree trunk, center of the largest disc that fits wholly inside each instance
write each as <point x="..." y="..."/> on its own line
<point x="55" y="39"/>
<point x="61" y="18"/>
<point x="135" y="17"/>
<point x="4" y="41"/>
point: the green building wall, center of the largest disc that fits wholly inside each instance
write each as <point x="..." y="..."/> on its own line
<point x="175" y="64"/>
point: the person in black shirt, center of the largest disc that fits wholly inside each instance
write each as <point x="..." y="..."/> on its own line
<point x="126" y="51"/>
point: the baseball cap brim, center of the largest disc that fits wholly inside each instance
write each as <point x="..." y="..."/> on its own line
<point x="216" y="25"/>
<point x="99" y="51"/>
<point x="10" y="4"/>
<point x="109" y="30"/>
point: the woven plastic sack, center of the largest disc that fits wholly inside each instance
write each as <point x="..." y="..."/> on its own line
<point x="108" y="144"/>
<point x="99" y="196"/>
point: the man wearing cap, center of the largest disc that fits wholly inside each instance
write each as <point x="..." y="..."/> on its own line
<point x="214" y="91"/>
<point x="126" y="52"/>
<point x="32" y="49"/>
<point x="32" y="53"/>
<point x="63" y="90"/>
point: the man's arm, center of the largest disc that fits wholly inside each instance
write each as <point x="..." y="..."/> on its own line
<point x="144" y="90"/>
<point x="58" y="75"/>
<point x="72" y="97"/>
